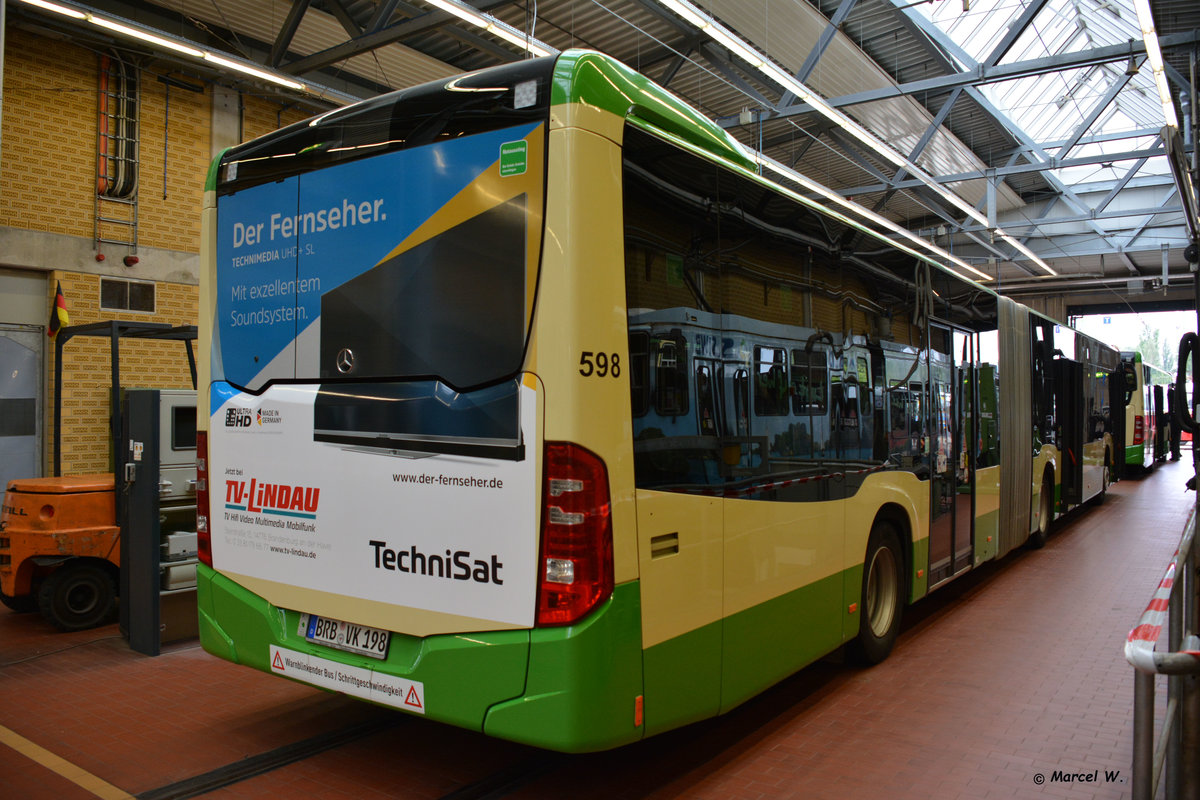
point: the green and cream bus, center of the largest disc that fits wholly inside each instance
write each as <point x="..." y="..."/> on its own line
<point x="535" y="409"/>
<point x="1147" y="431"/>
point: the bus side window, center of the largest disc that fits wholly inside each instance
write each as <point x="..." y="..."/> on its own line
<point x="639" y="372"/>
<point x="847" y="408"/>
<point x="810" y="383"/>
<point x="671" y="376"/>
<point x="706" y="400"/>
<point x="770" y="384"/>
<point x="865" y="402"/>
<point x="741" y="401"/>
<point x="898" y="411"/>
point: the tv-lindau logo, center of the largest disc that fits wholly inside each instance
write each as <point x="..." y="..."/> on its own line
<point x="272" y="498"/>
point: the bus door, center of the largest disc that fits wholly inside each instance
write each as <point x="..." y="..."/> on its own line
<point x="953" y="421"/>
<point x="1118" y="399"/>
<point x="967" y="435"/>
<point x="1160" y="424"/>
<point x="676" y="430"/>
<point x="1070" y="421"/>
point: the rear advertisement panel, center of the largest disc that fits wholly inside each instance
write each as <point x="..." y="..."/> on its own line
<point x="445" y="533"/>
<point x="372" y="434"/>
<point x="378" y="240"/>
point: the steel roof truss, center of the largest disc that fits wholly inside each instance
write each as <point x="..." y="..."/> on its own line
<point x="1014" y="32"/>
<point x="835" y="22"/>
<point x="287" y="31"/>
<point x="980" y="74"/>
<point x="715" y="54"/>
<point x="1162" y="209"/>
<point x="396" y="32"/>
<point x="1015" y="169"/>
<point x="1097" y="109"/>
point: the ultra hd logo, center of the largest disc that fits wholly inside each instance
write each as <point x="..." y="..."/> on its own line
<point x="238" y="417"/>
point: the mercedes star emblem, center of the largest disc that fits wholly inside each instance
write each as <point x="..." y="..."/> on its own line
<point x="345" y="360"/>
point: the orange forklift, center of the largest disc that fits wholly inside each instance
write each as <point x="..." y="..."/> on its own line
<point x="60" y="539"/>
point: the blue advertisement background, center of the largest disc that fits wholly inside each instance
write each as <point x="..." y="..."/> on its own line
<point x="270" y="288"/>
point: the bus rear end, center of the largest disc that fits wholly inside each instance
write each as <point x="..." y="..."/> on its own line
<point x="386" y="515"/>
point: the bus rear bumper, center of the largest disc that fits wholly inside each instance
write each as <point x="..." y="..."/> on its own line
<point x="458" y="677"/>
<point x="584" y="691"/>
<point x="574" y="689"/>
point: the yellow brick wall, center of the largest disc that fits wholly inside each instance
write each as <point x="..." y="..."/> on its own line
<point x="87" y="367"/>
<point x="48" y="170"/>
<point x="47" y="184"/>
<point x="184" y="122"/>
<point x="261" y="115"/>
<point x="48" y="174"/>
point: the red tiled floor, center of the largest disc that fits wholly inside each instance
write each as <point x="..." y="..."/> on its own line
<point x="1013" y="671"/>
<point x="21" y="777"/>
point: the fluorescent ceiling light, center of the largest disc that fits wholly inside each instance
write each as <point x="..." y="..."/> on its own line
<point x="57" y="9"/>
<point x="779" y="76"/>
<point x="866" y="213"/>
<point x="258" y="73"/>
<point x="493" y="26"/>
<point x="144" y="36"/>
<point x="518" y="39"/>
<point x="1155" y="57"/>
<point x="132" y="31"/>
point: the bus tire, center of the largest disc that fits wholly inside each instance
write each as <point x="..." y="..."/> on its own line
<point x="78" y="595"/>
<point x="1037" y="539"/>
<point x="882" y="600"/>
<point x="22" y="605"/>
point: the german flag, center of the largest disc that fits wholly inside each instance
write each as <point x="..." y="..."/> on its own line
<point x="58" y="312"/>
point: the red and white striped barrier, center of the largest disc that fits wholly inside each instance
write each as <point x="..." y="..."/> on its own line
<point x="1139" y="645"/>
<point x="772" y="485"/>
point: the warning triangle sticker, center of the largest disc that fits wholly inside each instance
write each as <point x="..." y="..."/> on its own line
<point x="278" y="662"/>
<point x="411" y="699"/>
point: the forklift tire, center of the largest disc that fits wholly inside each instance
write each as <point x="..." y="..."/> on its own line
<point x="22" y="605"/>
<point x="77" y="596"/>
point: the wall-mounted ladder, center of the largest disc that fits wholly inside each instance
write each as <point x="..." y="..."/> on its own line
<point x="116" y="207"/>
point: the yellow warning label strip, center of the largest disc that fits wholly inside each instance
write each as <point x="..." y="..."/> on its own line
<point x="75" y="774"/>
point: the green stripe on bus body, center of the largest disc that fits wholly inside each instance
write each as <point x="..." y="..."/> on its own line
<point x="987" y="525"/>
<point x="584" y="682"/>
<point x="718" y="666"/>
<point x="463" y="675"/>
<point x="765" y="644"/>
<point x="594" y="79"/>
<point x="1135" y="454"/>
<point x="683" y="679"/>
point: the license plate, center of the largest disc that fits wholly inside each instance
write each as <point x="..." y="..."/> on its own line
<point x="346" y="636"/>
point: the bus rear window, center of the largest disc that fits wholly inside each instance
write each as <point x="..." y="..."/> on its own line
<point x="452" y="308"/>
<point x="441" y="110"/>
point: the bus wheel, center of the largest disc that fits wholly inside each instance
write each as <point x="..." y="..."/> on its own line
<point x="882" y="596"/>
<point x="78" y="595"/>
<point x="1037" y="539"/>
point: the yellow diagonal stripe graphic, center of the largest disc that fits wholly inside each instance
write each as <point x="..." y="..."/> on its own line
<point x="60" y="766"/>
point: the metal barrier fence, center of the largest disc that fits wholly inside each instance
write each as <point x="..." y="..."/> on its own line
<point x="1175" y="605"/>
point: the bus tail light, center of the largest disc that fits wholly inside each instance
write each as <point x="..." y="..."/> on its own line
<point x="203" y="534"/>
<point x="577" y="549"/>
<point x="1139" y="429"/>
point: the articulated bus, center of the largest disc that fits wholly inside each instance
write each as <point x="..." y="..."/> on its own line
<point x="535" y="409"/>
<point x="1147" y="426"/>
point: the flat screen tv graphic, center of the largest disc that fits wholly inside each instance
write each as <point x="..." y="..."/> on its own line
<point x="445" y="315"/>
